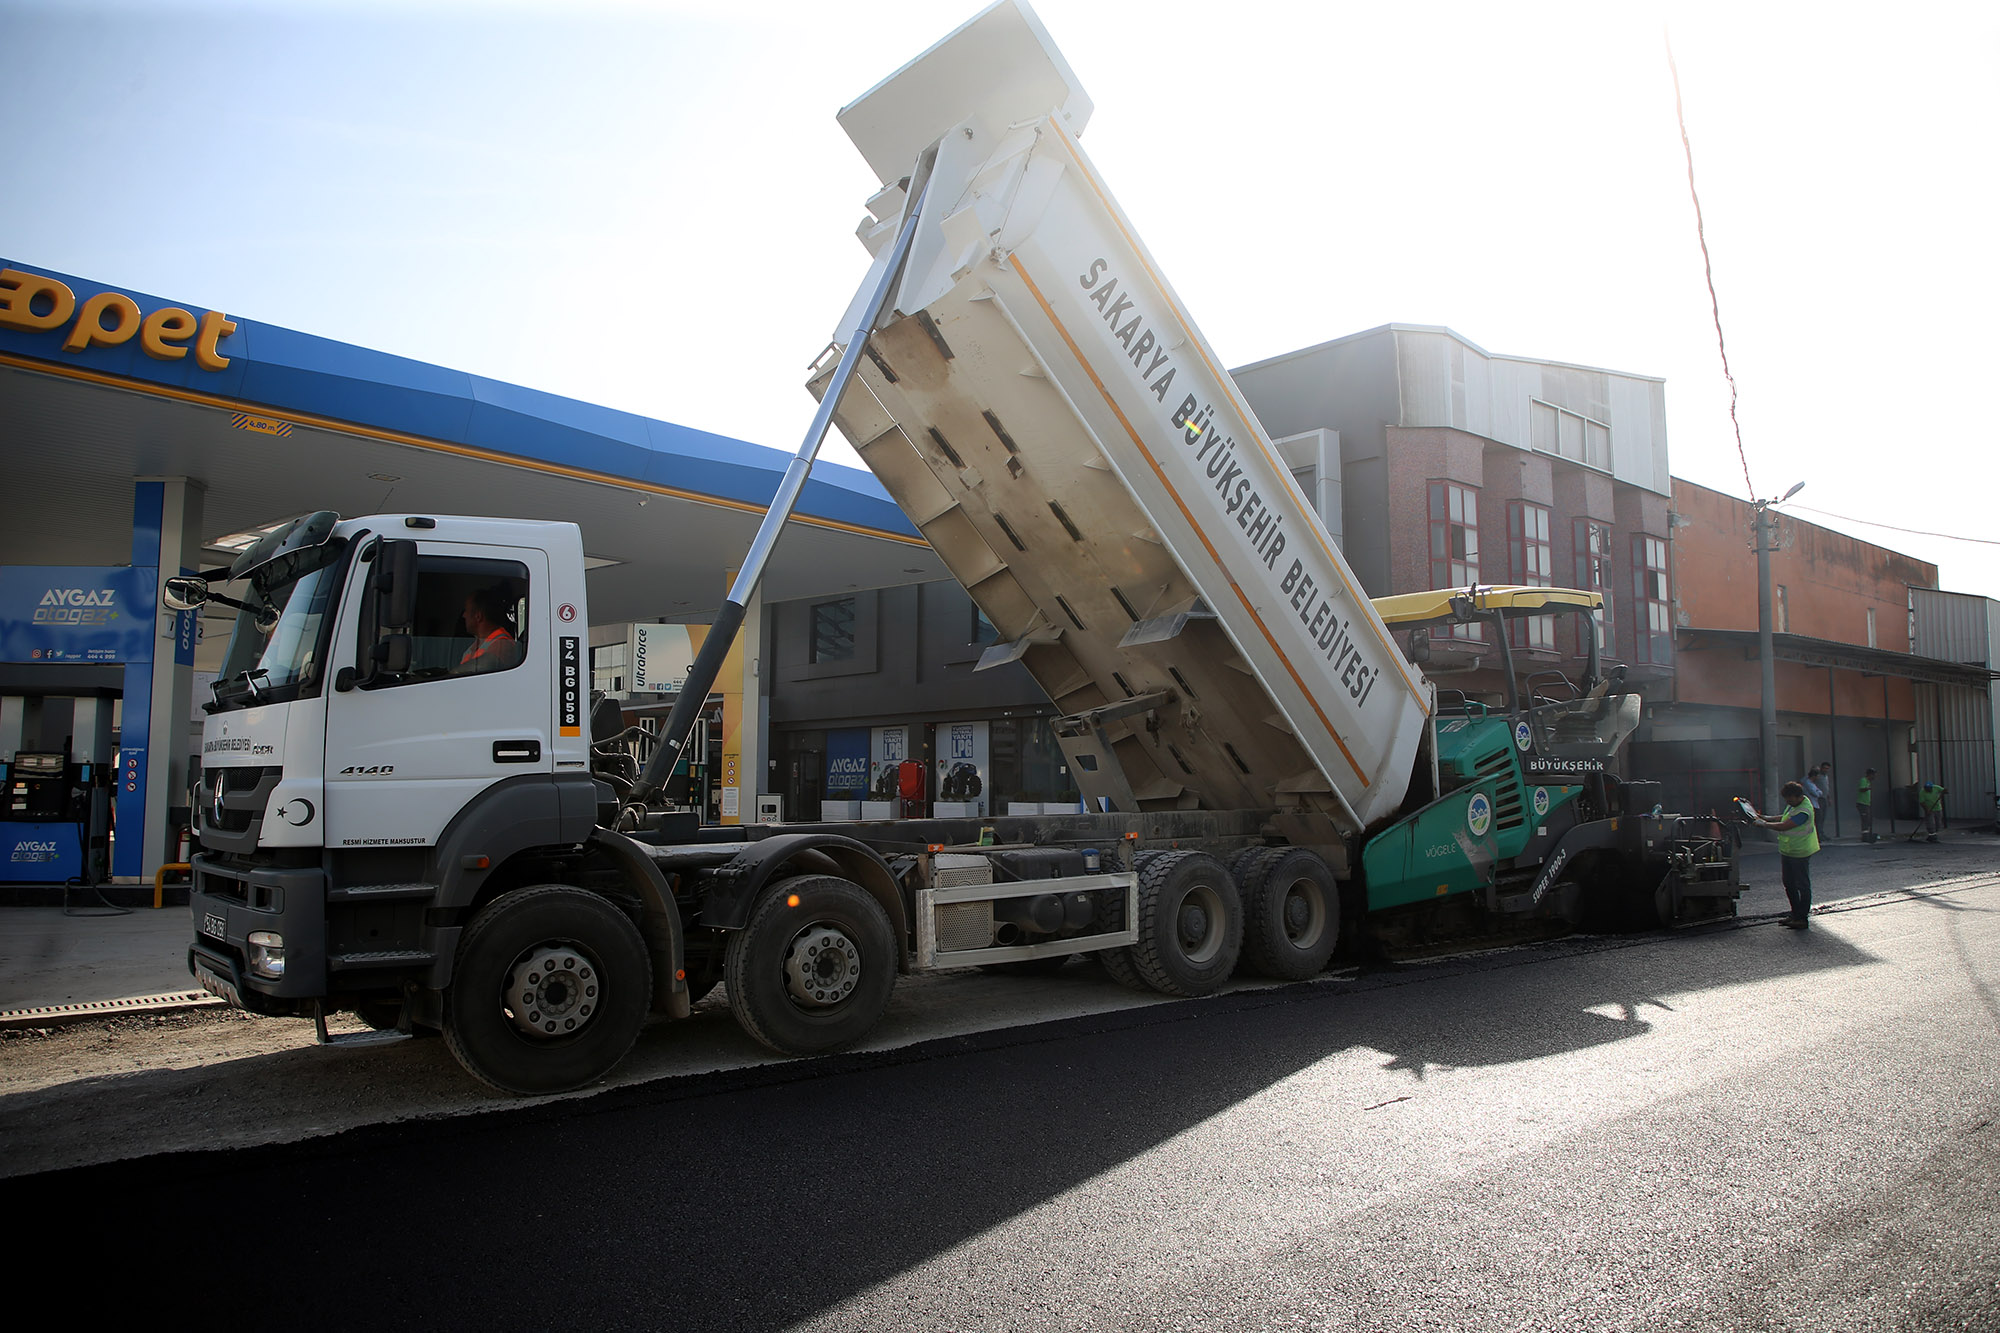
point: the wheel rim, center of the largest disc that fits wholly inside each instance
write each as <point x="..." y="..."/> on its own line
<point x="552" y="990"/>
<point x="1198" y="924"/>
<point x="822" y="966"/>
<point x="1304" y="913"/>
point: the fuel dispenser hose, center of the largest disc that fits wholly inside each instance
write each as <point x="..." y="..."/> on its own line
<point x="87" y="880"/>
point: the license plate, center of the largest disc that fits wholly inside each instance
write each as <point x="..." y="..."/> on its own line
<point x="213" y="924"/>
<point x="216" y="985"/>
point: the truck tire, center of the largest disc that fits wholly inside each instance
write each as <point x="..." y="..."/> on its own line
<point x="1240" y="861"/>
<point x="551" y="986"/>
<point x="1291" y="913"/>
<point x="1119" y="967"/>
<point x="1190" y="923"/>
<point x="812" y="969"/>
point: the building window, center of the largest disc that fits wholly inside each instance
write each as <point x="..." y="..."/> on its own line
<point x="1652" y="611"/>
<point x="1027" y="763"/>
<point x="982" y="629"/>
<point x="833" y="631"/>
<point x="1566" y="434"/>
<point x="1781" y="611"/>
<point x="1593" y="574"/>
<point x="608" y="663"/>
<point x="1455" y="543"/>
<point x="1871" y="628"/>
<point x="1532" y="565"/>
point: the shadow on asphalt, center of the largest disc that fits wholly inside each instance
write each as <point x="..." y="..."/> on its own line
<point x="758" y="1197"/>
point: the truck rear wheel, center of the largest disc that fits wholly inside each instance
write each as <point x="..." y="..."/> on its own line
<point x="1118" y="966"/>
<point x="1291" y="913"/>
<point x="812" y="969"/>
<point x="1190" y="923"/>
<point x="549" y="990"/>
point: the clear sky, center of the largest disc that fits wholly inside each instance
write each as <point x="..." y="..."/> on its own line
<point x="650" y="206"/>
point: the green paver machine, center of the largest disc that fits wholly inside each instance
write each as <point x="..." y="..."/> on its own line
<point x="1522" y="816"/>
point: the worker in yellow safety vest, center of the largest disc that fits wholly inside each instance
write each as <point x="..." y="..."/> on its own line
<point x="1930" y="810"/>
<point x="1798" y="843"/>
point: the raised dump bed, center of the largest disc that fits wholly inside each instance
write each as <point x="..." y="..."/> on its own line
<point x="1045" y="409"/>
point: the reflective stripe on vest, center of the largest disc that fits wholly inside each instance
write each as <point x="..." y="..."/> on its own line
<point x="1800" y="841"/>
<point x="478" y="650"/>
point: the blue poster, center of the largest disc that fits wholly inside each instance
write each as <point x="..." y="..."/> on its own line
<point x="76" y="613"/>
<point x="847" y="764"/>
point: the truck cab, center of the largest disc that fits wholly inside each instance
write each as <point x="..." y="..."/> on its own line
<point x="400" y="714"/>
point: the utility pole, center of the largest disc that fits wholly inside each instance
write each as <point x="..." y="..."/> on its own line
<point x="1764" y="534"/>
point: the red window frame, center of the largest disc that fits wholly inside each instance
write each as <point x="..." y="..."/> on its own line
<point x="1454" y="549"/>
<point x="1652" y="601"/>
<point x="1531" y="563"/>
<point x="1592" y="539"/>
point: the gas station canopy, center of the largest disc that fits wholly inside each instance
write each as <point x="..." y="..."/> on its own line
<point x="144" y="439"/>
<point x="98" y="387"/>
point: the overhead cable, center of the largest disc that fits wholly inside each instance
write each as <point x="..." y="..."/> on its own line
<point x="1914" y="532"/>
<point x="1708" y="270"/>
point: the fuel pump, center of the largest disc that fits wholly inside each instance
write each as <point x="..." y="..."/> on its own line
<point x="44" y="818"/>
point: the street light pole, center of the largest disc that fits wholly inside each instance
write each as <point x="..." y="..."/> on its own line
<point x="1765" y="533"/>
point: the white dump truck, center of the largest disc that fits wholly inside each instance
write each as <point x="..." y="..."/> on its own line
<point x="445" y="833"/>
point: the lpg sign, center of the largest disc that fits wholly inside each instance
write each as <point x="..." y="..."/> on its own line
<point x="72" y="613"/>
<point x="77" y="606"/>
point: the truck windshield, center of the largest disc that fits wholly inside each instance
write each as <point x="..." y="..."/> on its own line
<point x="278" y="651"/>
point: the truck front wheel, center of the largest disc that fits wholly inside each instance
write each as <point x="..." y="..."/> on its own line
<point x="549" y="990"/>
<point x="812" y="969"/>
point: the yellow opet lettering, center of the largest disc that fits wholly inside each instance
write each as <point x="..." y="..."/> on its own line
<point x="90" y="328"/>
<point x="18" y="291"/>
<point x="215" y="326"/>
<point x="109" y="319"/>
<point x="164" y="327"/>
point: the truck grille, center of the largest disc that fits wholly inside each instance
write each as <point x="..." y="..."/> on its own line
<point x="232" y="805"/>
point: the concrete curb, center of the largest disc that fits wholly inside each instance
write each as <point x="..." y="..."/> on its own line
<point x="60" y="1015"/>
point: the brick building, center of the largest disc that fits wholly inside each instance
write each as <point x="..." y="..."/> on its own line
<point x="1847" y="681"/>
<point x="1458" y="466"/>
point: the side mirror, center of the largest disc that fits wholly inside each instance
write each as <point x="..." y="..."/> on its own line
<point x="396" y="584"/>
<point x="1420" y="646"/>
<point x="185" y="594"/>
<point x="392" y="655"/>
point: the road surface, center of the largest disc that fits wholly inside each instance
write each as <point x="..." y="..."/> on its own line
<point x="1734" y="1128"/>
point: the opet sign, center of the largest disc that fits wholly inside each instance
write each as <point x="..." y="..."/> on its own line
<point x="37" y="304"/>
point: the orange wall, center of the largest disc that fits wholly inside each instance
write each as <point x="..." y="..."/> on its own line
<point x="1729" y="678"/>
<point x="1830" y="580"/>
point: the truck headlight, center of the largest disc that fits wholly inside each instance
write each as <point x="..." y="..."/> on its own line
<point x="267" y="953"/>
